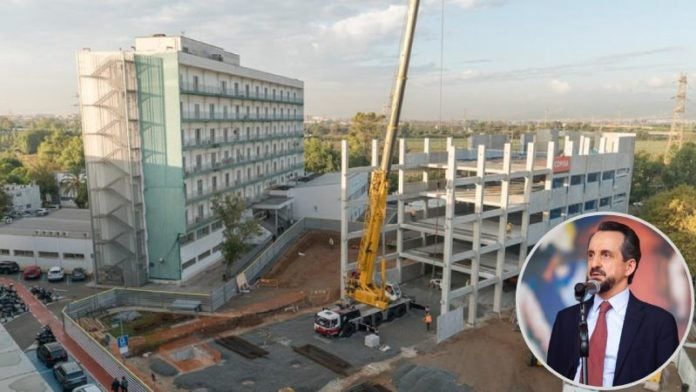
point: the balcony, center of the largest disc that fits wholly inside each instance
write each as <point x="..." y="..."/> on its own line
<point x="216" y="91"/>
<point x="190" y="144"/>
<point x="230" y="162"/>
<point x="204" y="116"/>
<point x="194" y="198"/>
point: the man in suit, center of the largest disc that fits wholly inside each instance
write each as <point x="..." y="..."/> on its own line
<point x="629" y="339"/>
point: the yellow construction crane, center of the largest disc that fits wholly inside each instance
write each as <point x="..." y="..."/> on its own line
<point x="361" y="286"/>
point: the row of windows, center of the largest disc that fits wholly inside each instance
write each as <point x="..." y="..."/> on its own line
<point x="589" y="206"/>
<point x="237" y="112"/>
<point x="42" y="254"/>
<point x="577" y="179"/>
<point x="237" y="88"/>
<point x="240" y="155"/>
<point x="226" y="135"/>
<point x="190" y="262"/>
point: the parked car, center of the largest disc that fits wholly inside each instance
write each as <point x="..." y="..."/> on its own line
<point x="51" y="353"/>
<point x="8" y="267"/>
<point x="7" y="219"/>
<point x="41" y="212"/>
<point x="69" y="375"/>
<point x="88" y="388"/>
<point x="31" y="272"/>
<point x="56" y="274"/>
<point x="78" y="274"/>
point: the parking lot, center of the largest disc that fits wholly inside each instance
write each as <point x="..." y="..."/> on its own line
<point x="23" y="328"/>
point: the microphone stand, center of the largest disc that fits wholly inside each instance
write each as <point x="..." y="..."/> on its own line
<point x="583" y="334"/>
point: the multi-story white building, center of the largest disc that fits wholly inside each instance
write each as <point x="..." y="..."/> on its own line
<point x="167" y="127"/>
<point x="24" y="197"/>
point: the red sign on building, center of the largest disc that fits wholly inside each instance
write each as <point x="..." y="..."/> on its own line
<point x="561" y="164"/>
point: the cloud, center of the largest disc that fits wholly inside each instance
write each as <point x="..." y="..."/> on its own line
<point x="655" y="82"/>
<point x="559" y="86"/>
<point x="371" y="24"/>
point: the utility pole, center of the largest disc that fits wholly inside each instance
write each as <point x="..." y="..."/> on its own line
<point x="676" y="131"/>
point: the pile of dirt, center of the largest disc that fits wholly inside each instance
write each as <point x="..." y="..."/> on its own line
<point x="414" y="378"/>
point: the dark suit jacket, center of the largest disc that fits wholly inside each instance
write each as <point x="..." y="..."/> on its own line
<point x="648" y="340"/>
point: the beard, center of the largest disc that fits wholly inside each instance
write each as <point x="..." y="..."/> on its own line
<point x="604" y="285"/>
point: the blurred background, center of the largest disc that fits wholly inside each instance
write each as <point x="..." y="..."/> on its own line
<point x="559" y="262"/>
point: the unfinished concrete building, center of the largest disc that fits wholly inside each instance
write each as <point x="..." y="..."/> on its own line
<point x="472" y="214"/>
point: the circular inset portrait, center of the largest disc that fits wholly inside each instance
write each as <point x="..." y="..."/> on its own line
<point x="604" y="300"/>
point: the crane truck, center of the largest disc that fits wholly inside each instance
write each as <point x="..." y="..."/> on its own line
<point x="372" y="302"/>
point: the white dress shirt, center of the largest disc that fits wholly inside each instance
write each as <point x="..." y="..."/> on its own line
<point x="615" y="319"/>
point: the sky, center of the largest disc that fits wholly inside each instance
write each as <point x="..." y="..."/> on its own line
<point x="501" y="59"/>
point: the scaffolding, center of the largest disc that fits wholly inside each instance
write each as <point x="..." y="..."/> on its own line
<point x="481" y="209"/>
<point x="110" y="130"/>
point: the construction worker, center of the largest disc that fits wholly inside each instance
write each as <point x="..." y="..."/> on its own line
<point x="428" y="320"/>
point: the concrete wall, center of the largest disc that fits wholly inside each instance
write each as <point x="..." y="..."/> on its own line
<point x="11" y="243"/>
<point x="324" y="201"/>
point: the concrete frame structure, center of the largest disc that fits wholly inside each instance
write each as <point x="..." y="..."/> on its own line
<point x="167" y="128"/>
<point x="497" y="205"/>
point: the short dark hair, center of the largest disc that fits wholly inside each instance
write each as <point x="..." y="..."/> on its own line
<point x="630" y="248"/>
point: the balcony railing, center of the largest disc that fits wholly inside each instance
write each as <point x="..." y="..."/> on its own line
<point x="190" y="88"/>
<point x="193" y="198"/>
<point x="208" y="143"/>
<point x="230" y="162"/>
<point x="202" y="116"/>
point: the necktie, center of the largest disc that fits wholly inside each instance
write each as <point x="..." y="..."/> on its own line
<point x="598" y="345"/>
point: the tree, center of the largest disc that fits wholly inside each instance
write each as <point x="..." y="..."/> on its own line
<point x="363" y="128"/>
<point x="682" y="166"/>
<point x="82" y="198"/>
<point x="5" y="202"/>
<point x="27" y="142"/>
<point x="42" y="176"/>
<point x="647" y="177"/>
<point x="72" y="156"/>
<point x="238" y="230"/>
<point x="72" y="184"/>
<point x="320" y="157"/>
<point x="674" y="212"/>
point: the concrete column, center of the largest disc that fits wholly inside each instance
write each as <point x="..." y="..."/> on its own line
<point x="344" y="216"/>
<point x="602" y="145"/>
<point x="478" y="209"/>
<point x="426" y="179"/>
<point x="568" y="148"/>
<point x="400" y="208"/>
<point x="450" y="175"/>
<point x="502" y="227"/>
<point x="548" y="185"/>
<point x="528" y="181"/>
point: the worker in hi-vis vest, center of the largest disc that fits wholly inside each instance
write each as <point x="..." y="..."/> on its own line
<point x="428" y="320"/>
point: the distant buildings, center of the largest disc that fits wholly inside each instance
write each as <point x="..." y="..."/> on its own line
<point x="24" y="197"/>
<point x="166" y="128"/>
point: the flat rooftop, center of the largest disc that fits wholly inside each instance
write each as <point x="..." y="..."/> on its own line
<point x="73" y="221"/>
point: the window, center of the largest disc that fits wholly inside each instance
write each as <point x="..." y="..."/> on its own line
<point x="236" y="91"/>
<point x="227" y="180"/>
<point x="24" y="253"/>
<point x="217" y="248"/>
<point x="555" y="213"/>
<point x="257" y="91"/>
<point x="576" y="180"/>
<point x="189" y="263"/>
<point x="223" y="86"/>
<point x="622" y="172"/>
<point x="246" y="90"/>
<point x="199" y="162"/>
<point x="4" y="252"/>
<point x="214" y="183"/>
<point x="199" y="187"/>
<point x="211" y="107"/>
<point x="77" y="256"/>
<point x="198" y="136"/>
<point x="203" y="255"/>
<point x="608" y="175"/>
<point x="195" y="83"/>
<point x="212" y="135"/>
<point x="225" y="132"/>
<point x="593" y="177"/>
<point x="604" y="201"/>
<point x="197" y="111"/>
<point x="200" y="213"/>
<point x="574" y="208"/>
<point x="217" y="226"/>
<point x="590" y="205"/>
<point x="202" y="232"/>
<point x="558" y="182"/>
<point x="188" y="238"/>
<point x="49" y="255"/>
<point x="620" y="198"/>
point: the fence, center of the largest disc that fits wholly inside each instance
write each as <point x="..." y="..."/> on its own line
<point x="95" y="350"/>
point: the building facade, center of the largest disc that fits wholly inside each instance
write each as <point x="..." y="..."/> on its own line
<point x="484" y="210"/>
<point x="24" y="197"/>
<point x="167" y="127"/>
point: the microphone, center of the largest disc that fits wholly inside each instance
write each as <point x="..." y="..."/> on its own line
<point x="588" y="288"/>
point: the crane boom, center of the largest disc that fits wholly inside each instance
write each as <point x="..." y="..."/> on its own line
<point x="363" y="288"/>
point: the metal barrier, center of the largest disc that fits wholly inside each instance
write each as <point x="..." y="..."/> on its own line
<point x="99" y="353"/>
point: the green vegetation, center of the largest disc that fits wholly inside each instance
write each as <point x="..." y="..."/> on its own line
<point x="34" y="149"/>
<point x="238" y="230"/>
